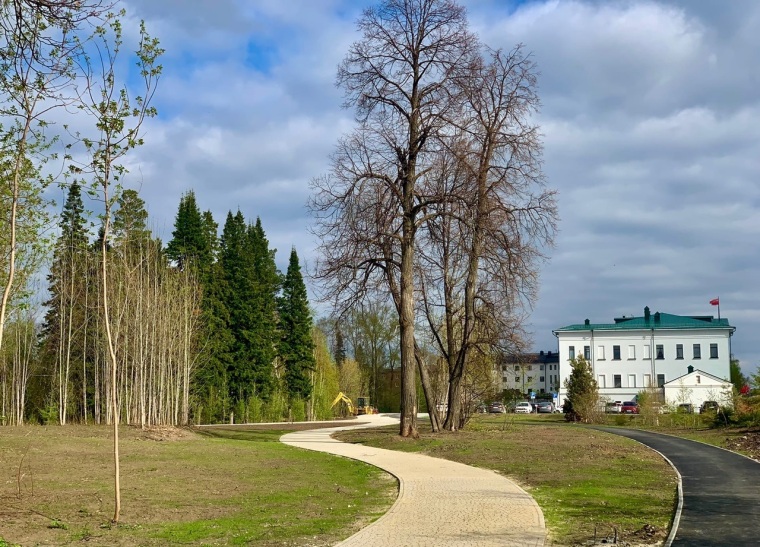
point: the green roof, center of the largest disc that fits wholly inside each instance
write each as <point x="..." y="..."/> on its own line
<point x="657" y="321"/>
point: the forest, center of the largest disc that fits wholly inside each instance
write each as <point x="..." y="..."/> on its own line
<point x="432" y="223"/>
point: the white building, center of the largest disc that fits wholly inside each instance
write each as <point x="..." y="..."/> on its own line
<point x="531" y="372"/>
<point x="655" y="350"/>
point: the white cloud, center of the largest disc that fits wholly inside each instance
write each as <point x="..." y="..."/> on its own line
<point x="651" y="117"/>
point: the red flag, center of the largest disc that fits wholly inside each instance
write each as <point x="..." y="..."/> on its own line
<point x="715" y="302"/>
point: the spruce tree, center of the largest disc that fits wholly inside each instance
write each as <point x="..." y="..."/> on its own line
<point x="191" y="236"/>
<point x="62" y="332"/>
<point x="296" y="343"/>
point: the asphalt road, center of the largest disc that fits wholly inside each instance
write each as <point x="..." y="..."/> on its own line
<point x="721" y="491"/>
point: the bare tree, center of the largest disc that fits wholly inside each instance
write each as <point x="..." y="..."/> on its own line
<point x="480" y="249"/>
<point x="398" y="78"/>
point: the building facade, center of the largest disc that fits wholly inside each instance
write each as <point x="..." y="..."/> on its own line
<point x="531" y="372"/>
<point x="634" y="353"/>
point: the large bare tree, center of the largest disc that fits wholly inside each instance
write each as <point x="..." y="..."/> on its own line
<point x="399" y="78"/>
<point x="481" y="248"/>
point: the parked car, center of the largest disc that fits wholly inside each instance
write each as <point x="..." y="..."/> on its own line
<point x="685" y="408"/>
<point x="481" y="409"/>
<point x="709" y="406"/>
<point x="496" y="408"/>
<point x="629" y="407"/>
<point x="544" y="407"/>
<point x="523" y="407"/>
<point x="614" y="408"/>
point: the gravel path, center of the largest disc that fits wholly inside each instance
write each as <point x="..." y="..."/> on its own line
<point x="440" y="502"/>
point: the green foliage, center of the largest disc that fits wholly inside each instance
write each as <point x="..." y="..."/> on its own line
<point x="738" y="379"/>
<point x="193" y="235"/>
<point x="250" y="282"/>
<point x="296" y="344"/>
<point x="582" y="399"/>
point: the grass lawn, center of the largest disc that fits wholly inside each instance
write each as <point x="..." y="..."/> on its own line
<point x="181" y="488"/>
<point x="587" y="482"/>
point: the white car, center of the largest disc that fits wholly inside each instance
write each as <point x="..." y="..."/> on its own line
<point x="523" y="407"/>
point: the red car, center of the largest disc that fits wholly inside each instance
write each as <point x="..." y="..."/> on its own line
<point x="629" y="407"/>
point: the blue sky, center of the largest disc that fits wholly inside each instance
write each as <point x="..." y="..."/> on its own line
<point x="650" y="115"/>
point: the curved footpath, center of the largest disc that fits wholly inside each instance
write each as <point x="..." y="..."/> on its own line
<point x="440" y="502"/>
<point x="721" y="499"/>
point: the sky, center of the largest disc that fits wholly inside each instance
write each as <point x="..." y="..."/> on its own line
<point x="650" y="115"/>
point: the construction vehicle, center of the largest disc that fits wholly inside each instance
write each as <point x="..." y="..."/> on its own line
<point x="362" y="407"/>
<point x="350" y="405"/>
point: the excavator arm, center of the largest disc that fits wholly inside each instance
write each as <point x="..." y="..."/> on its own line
<point x="342" y="397"/>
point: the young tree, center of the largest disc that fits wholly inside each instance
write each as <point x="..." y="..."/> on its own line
<point x="118" y="122"/>
<point x="398" y="76"/>
<point x="296" y="344"/>
<point x="582" y="399"/>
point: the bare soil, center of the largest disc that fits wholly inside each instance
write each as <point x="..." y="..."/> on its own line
<point x="747" y="442"/>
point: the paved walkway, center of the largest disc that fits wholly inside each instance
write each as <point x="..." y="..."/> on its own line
<point x="440" y="502"/>
<point x="721" y="499"/>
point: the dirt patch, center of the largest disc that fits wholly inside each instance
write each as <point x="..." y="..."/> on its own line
<point x="165" y="433"/>
<point x="284" y="426"/>
<point x="747" y="443"/>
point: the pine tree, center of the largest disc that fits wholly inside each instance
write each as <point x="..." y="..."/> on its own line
<point x="191" y="236"/>
<point x="250" y="282"/>
<point x="340" y="345"/>
<point x="62" y="331"/>
<point x="296" y="342"/>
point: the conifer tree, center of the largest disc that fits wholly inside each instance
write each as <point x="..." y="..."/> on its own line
<point x="190" y="239"/>
<point x="296" y="342"/>
<point x="250" y="282"/>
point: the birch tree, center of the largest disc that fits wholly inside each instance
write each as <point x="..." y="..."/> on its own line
<point x="118" y="121"/>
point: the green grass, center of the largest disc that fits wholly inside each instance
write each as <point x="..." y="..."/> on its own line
<point x="225" y="487"/>
<point x="587" y="482"/>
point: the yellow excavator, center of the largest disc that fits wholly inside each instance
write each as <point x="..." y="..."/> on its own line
<point x="363" y="406"/>
<point x="343" y="397"/>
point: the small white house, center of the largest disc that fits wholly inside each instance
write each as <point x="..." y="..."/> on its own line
<point x="695" y="387"/>
<point x="653" y="350"/>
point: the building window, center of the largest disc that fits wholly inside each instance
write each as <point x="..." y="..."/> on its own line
<point x="647" y="352"/>
<point x="617" y="380"/>
<point x="697" y="351"/>
<point x="517" y="379"/>
<point x="713" y="351"/>
<point x="631" y="352"/>
<point x="542" y="379"/>
<point x="530" y="367"/>
<point x="587" y="353"/>
<point x="679" y="351"/>
<point x="601" y="382"/>
<point x="660" y="351"/>
<point x="631" y="380"/>
<point x="530" y="379"/>
<point x="699" y="380"/>
<point x="572" y="352"/>
<point x="616" y="353"/>
<point x="600" y="353"/>
<point x="660" y="380"/>
<point x="648" y="380"/>
<point x="542" y="367"/>
<point x="517" y="367"/>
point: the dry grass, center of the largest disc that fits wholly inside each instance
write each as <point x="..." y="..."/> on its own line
<point x="56" y="488"/>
